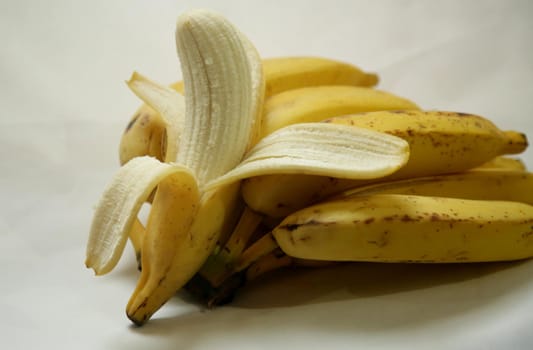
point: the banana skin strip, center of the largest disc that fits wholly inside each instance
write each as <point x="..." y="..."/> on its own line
<point x="321" y="149"/>
<point x="170" y="105"/>
<point x="119" y="205"/>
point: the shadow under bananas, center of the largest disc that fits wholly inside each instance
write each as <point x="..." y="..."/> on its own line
<point x="300" y="286"/>
<point x="359" y="297"/>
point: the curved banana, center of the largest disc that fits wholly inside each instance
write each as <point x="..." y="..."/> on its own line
<point x="144" y="136"/>
<point x="173" y="209"/>
<point x="287" y="73"/>
<point x="145" y="133"/>
<point x="504" y="185"/>
<point x="504" y="163"/>
<point x="314" y="104"/>
<point x="440" y="143"/>
<point x="406" y="228"/>
<point x="152" y="133"/>
<point x="176" y="245"/>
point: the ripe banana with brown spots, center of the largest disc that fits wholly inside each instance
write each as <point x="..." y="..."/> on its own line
<point x="440" y="143"/>
<point x="408" y="228"/>
<point x="508" y="185"/>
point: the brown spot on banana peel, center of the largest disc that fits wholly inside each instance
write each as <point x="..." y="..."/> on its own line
<point x="369" y="220"/>
<point x="292" y="227"/>
<point x="382" y="241"/>
<point x="132" y="122"/>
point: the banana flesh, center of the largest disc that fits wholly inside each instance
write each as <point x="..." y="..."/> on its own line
<point x="319" y="149"/>
<point x="440" y="142"/>
<point x="407" y="228"/>
<point x="222" y="69"/>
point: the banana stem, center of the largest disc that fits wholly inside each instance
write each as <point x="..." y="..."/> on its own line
<point x="267" y="263"/>
<point x="244" y="230"/>
<point x="221" y="265"/>
<point x="260" y="248"/>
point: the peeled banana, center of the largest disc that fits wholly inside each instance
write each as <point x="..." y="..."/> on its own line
<point x="408" y="228"/>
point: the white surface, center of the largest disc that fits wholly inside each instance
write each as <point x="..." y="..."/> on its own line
<point x="65" y="104"/>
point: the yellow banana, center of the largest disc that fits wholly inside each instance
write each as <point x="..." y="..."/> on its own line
<point x="406" y="228"/>
<point x="504" y="163"/>
<point x="314" y="104"/>
<point x="145" y="133"/>
<point x="287" y="73"/>
<point x="505" y="185"/>
<point x="174" y="206"/>
<point x="440" y="143"/>
<point x="144" y="136"/>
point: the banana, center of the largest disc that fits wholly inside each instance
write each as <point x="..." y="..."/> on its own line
<point x="174" y="253"/>
<point x="287" y="73"/>
<point x="155" y="134"/>
<point x="505" y="163"/>
<point x="169" y="222"/>
<point x="314" y="104"/>
<point x="505" y="185"/>
<point x="407" y="228"/>
<point x="145" y="133"/>
<point x="144" y="136"/>
<point x="440" y="143"/>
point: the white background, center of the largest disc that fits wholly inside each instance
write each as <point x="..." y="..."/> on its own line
<point x="64" y="105"/>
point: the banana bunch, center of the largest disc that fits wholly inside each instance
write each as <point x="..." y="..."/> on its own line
<point x="251" y="164"/>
